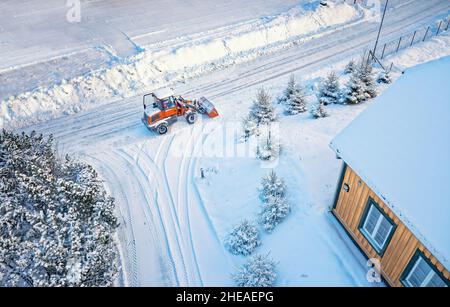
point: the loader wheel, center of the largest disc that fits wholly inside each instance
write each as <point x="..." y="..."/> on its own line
<point x="162" y="129"/>
<point x="191" y="118"/>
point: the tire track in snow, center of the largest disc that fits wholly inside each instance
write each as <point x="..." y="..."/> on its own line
<point x="157" y="167"/>
<point x="131" y="271"/>
<point x="183" y="194"/>
<point x="101" y="123"/>
<point x="142" y="180"/>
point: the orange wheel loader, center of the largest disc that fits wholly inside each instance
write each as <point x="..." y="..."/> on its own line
<point x="162" y="108"/>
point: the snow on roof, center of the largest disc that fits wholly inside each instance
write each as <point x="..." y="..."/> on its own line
<point x="400" y="146"/>
<point x="163" y="92"/>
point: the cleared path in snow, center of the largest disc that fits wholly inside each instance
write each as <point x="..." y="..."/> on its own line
<point x="153" y="184"/>
<point x="104" y="123"/>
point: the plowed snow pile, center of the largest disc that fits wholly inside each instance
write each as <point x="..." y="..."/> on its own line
<point x="177" y="60"/>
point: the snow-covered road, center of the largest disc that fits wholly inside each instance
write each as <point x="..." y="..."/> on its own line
<point x="166" y="233"/>
<point x="161" y="212"/>
<point x="105" y="123"/>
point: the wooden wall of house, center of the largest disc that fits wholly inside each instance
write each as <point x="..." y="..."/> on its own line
<point x="349" y="209"/>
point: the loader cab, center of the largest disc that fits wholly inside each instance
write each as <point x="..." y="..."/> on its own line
<point x="151" y="101"/>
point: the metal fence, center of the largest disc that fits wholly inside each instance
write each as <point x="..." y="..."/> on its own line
<point x="413" y="38"/>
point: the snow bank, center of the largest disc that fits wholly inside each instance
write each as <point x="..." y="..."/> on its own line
<point x="433" y="49"/>
<point x="156" y="68"/>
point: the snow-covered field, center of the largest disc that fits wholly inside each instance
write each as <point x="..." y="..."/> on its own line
<point x="173" y="222"/>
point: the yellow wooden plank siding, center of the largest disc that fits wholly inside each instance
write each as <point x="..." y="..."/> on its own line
<point x="349" y="210"/>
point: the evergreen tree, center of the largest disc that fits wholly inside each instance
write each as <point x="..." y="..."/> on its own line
<point x="56" y="221"/>
<point x="329" y="91"/>
<point x="355" y="92"/>
<point x="274" y="207"/>
<point x="350" y="67"/>
<point x="263" y="111"/>
<point x="258" y="271"/>
<point x="268" y="149"/>
<point x="290" y="88"/>
<point x="384" y="77"/>
<point x="272" y="186"/>
<point x="318" y="110"/>
<point x="249" y="126"/>
<point x="243" y="239"/>
<point x="367" y="77"/>
<point x="273" y="212"/>
<point x="293" y="97"/>
<point x="296" y="102"/>
<point x="361" y="85"/>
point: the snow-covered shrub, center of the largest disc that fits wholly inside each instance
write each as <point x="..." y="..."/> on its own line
<point x="329" y="90"/>
<point x="355" y="91"/>
<point x="288" y="90"/>
<point x="318" y="110"/>
<point x="350" y="67"/>
<point x="293" y="97"/>
<point x="367" y="77"/>
<point x="272" y="186"/>
<point x="56" y="221"/>
<point x="258" y="271"/>
<point x="243" y="239"/>
<point x="296" y="103"/>
<point x="268" y="149"/>
<point x="273" y="212"/>
<point x="361" y="85"/>
<point x="249" y="126"/>
<point x="263" y="110"/>
<point x="384" y="77"/>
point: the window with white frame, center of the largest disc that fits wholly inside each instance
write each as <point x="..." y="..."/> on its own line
<point x="376" y="227"/>
<point x="422" y="274"/>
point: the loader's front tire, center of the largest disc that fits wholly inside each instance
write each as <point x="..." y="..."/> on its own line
<point x="191" y="118"/>
<point x="162" y="129"/>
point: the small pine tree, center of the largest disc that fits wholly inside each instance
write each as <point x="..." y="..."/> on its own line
<point x="268" y="149"/>
<point x="296" y="102"/>
<point x="329" y="91"/>
<point x="288" y="91"/>
<point x="318" y="110"/>
<point x="272" y="186"/>
<point x="350" y="67"/>
<point x="367" y="77"/>
<point x="293" y="97"/>
<point x="273" y="212"/>
<point x="384" y="77"/>
<point x="258" y="271"/>
<point x="243" y="239"/>
<point x="356" y="89"/>
<point x="263" y="111"/>
<point x="249" y="126"/>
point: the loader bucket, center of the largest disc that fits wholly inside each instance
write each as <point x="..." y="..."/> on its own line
<point x="208" y="107"/>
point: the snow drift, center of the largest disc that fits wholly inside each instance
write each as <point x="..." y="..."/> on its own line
<point x="175" y="61"/>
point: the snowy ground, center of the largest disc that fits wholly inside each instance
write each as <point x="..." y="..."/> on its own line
<point x="31" y="94"/>
<point x="173" y="223"/>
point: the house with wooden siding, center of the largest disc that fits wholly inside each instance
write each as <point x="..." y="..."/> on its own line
<point x="393" y="196"/>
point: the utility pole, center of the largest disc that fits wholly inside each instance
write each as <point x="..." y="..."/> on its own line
<point x="379" y="30"/>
